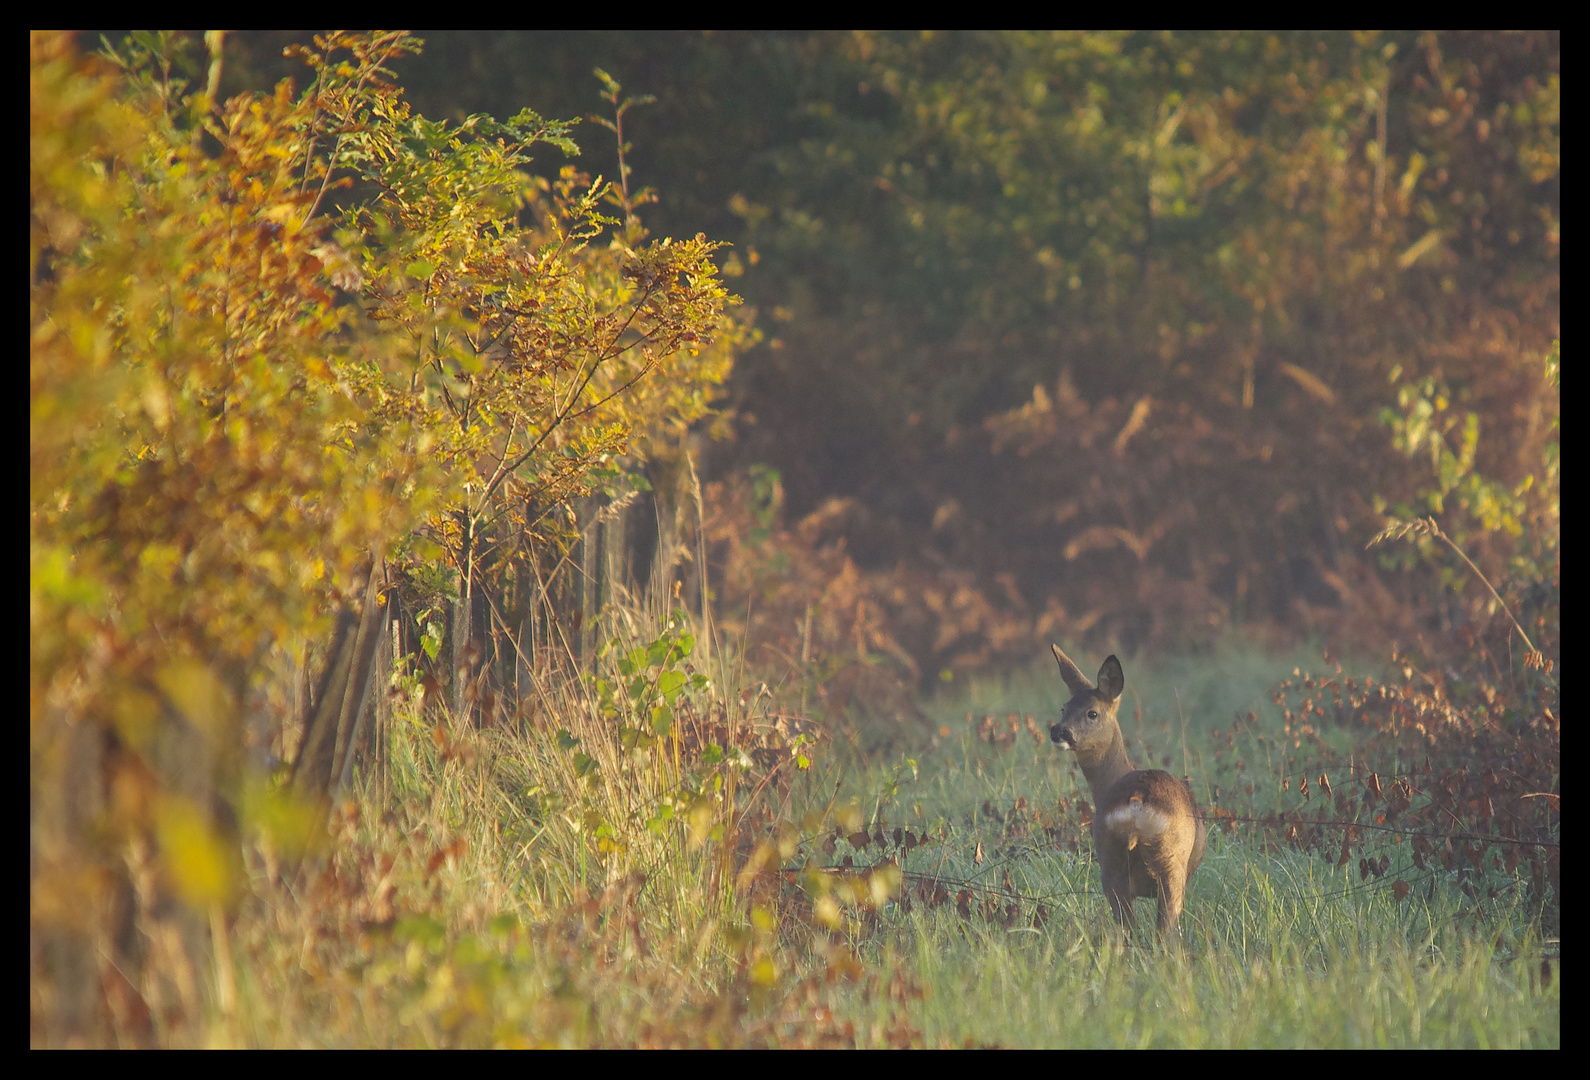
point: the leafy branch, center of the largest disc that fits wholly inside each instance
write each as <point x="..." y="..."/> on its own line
<point x="616" y="126"/>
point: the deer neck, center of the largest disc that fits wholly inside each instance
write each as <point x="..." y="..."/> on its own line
<point x="1105" y="768"/>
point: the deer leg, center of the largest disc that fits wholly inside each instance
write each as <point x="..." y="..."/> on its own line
<point x="1118" y="890"/>
<point x="1172" y="889"/>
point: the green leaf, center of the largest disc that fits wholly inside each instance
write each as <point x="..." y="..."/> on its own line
<point x="431" y="642"/>
<point x="421" y="928"/>
<point x="670" y="683"/>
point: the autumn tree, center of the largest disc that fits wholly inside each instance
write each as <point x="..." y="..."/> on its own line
<point x="275" y="341"/>
<point x="541" y="335"/>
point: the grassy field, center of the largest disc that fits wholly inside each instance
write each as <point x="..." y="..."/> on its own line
<point x="1282" y="949"/>
<point x="689" y="883"/>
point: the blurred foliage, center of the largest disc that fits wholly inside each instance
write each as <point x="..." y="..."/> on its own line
<point x="1425" y="424"/>
<point x="1104" y="327"/>
<point x="202" y="492"/>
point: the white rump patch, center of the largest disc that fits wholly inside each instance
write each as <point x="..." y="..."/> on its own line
<point x="1136" y="818"/>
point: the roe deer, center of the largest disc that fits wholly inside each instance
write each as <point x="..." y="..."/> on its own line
<point x="1147" y="833"/>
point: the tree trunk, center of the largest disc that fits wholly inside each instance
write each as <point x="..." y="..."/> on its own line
<point x="463" y="637"/>
<point x="331" y="732"/>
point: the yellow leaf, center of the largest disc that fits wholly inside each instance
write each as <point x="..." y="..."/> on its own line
<point x="197" y="694"/>
<point x="193" y="856"/>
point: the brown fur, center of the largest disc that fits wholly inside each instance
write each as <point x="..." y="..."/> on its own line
<point x="1147" y="832"/>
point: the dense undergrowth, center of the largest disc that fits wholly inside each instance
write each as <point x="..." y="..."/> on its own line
<point x="684" y="862"/>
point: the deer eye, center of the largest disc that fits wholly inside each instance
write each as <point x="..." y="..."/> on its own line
<point x="1093" y="714"/>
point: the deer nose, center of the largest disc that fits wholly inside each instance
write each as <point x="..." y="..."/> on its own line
<point x="1060" y="736"/>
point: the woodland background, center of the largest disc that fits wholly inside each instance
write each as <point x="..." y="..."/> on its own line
<point x="865" y="364"/>
<point x="1125" y="337"/>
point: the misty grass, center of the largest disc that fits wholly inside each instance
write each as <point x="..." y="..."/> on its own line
<point x="1072" y="987"/>
<point x="1281" y="949"/>
<point x="1279" y="952"/>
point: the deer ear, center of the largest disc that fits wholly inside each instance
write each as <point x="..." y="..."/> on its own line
<point x="1076" y="682"/>
<point x="1111" y="679"/>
